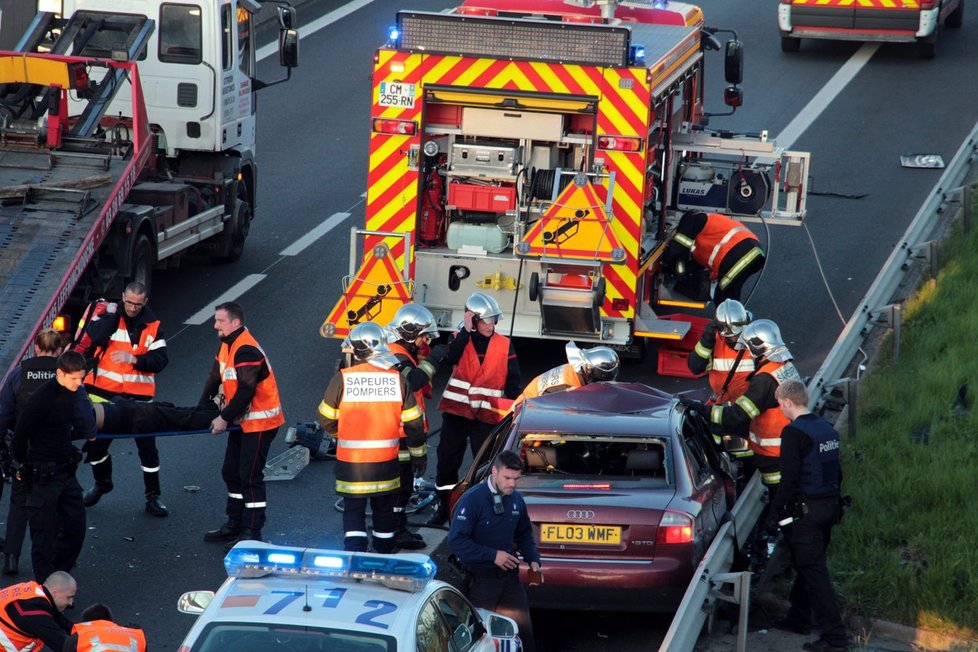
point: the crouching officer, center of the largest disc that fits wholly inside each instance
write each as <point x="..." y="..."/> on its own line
<point x="365" y="407"/>
<point x="46" y="462"/>
<point x="490" y="524"/>
<point x="97" y="632"/>
<point x="30" y="614"/>
<point x="809" y="498"/>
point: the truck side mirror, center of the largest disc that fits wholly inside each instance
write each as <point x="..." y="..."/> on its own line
<point x="286" y="17"/>
<point x="733" y="62"/>
<point x="288" y="48"/>
<point x="733" y="96"/>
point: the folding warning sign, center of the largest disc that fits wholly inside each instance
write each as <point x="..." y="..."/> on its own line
<point x="575" y="226"/>
<point x="374" y="294"/>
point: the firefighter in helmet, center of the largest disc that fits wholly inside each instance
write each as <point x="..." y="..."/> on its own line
<point x="729" y="364"/>
<point x="584" y="366"/>
<point x="757" y="408"/>
<point x="367" y="407"/>
<point x="485" y="379"/>
<point x="410" y="333"/>
<point x="716" y="244"/>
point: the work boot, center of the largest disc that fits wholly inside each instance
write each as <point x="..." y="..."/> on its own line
<point x="155" y="507"/>
<point x="227" y="532"/>
<point x="10" y="563"/>
<point x="406" y="540"/>
<point x="93" y="495"/>
<point x="246" y="534"/>
<point x="102" y="473"/>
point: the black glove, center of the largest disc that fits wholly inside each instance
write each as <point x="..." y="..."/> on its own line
<point x="439" y="354"/>
<point x="699" y="407"/>
<point x="771" y="524"/>
<point x="418" y="465"/>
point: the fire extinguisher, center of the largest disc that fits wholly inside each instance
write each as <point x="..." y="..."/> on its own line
<point x="432" y="230"/>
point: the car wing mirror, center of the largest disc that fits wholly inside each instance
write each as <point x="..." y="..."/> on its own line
<point x="194" y="602"/>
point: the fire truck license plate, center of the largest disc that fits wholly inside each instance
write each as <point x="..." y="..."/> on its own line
<point x="562" y="533"/>
<point x="397" y="94"/>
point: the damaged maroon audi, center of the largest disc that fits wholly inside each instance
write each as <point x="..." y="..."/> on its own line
<point x="625" y="490"/>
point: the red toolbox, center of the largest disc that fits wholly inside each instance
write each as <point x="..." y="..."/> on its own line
<point x="486" y="199"/>
<point x="673" y="355"/>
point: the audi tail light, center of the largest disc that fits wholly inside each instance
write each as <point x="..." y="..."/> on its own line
<point x="675" y="528"/>
<point x="603" y="486"/>
<point x="395" y="127"/>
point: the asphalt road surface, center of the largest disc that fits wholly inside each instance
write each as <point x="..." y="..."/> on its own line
<point x="312" y="150"/>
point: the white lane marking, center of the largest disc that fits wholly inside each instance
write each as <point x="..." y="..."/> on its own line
<point x="239" y="288"/>
<point x="824" y="97"/>
<point x="316" y="25"/>
<point x="328" y="225"/>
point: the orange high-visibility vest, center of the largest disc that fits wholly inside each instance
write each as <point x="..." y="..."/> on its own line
<point x="564" y="375"/>
<point x="766" y="427"/>
<point x="122" y="377"/>
<point x="265" y="410"/>
<point x="11" y="637"/>
<point x="418" y="395"/>
<point x="719" y="236"/>
<point x="476" y="391"/>
<point x="723" y="359"/>
<point x="101" y="635"/>
<point x="369" y="424"/>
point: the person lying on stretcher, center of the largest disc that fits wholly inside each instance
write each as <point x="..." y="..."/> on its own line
<point x="125" y="416"/>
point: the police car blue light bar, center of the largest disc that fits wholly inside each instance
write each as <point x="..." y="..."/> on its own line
<point x="406" y="572"/>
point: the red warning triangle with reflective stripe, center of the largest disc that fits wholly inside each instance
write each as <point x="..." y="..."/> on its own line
<point x="374" y="294"/>
<point x="575" y="226"/>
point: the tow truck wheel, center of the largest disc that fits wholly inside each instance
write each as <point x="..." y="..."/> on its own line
<point x="143" y="260"/>
<point x="240" y="225"/>
<point x="956" y="17"/>
<point x="790" y="44"/>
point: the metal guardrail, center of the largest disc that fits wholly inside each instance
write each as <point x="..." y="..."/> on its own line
<point x="701" y="595"/>
<point x="892" y="273"/>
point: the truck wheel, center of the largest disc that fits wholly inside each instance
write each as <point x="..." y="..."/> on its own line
<point x="927" y="47"/>
<point x="956" y="17"/>
<point x="790" y="44"/>
<point x="143" y="260"/>
<point x="534" y="289"/>
<point x="240" y="226"/>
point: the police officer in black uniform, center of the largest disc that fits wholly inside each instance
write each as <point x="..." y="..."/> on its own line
<point x="23" y="380"/>
<point x="45" y="460"/>
<point x="489" y="519"/>
<point x="808" y="505"/>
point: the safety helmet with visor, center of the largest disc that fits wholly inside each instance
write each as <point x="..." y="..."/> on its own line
<point x="410" y="322"/>
<point x="595" y="364"/>
<point x="763" y="339"/>
<point x="484" y="307"/>
<point x="367" y="340"/>
<point x="731" y="317"/>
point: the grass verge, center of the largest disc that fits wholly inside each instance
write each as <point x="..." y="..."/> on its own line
<point x="907" y="550"/>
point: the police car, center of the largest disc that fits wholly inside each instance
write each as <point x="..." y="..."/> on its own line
<point x="288" y="599"/>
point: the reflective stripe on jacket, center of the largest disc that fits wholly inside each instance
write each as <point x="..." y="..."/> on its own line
<point x="265" y="410"/>
<point x="723" y="358"/>
<point x="106" y="636"/>
<point x="476" y="391"/>
<point x="766" y="425"/>
<point x="13" y="639"/>
<point x="710" y="246"/>
<point x="123" y="377"/>
<point x="557" y="379"/>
